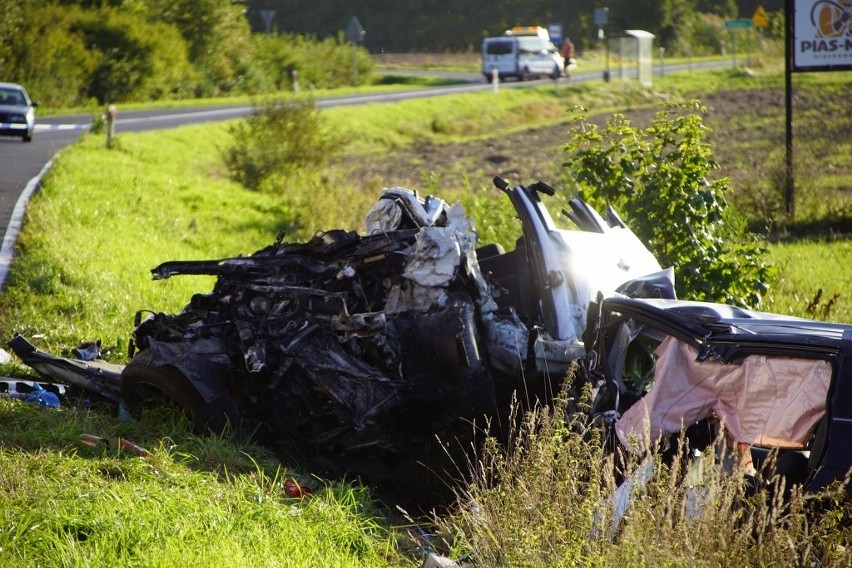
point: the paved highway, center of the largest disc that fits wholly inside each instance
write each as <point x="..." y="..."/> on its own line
<point x="22" y="165"/>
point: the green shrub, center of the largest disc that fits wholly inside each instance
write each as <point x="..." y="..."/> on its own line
<point x="329" y="63"/>
<point x="55" y="65"/>
<point x="658" y="177"/>
<point x="137" y="60"/>
<point x="68" y="55"/>
<point x="281" y="137"/>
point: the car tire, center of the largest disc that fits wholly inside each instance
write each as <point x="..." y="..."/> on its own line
<point x="556" y="73"/>
<point x="28" y="137"/>
<point x="145" y="383"/>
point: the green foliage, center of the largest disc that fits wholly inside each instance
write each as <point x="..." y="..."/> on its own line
<point x="138" y="60"/>
<point x="67" y="55"/>
<point x="69" y="52"/>
<point x="56" y="66"/>
<point x="330" y="62"/>
<point x="280" y="138"/>
<point x="219" y="43"/>
<point x="658" y="178"/>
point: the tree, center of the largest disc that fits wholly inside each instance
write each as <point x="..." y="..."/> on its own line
<point x="658" y="178"/>
<point x="219" y="40"/>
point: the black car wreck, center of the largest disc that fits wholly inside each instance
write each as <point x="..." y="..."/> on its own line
<point x="387" y="354"/>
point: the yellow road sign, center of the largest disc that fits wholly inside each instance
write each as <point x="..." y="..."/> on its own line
<point x="760" y="18"/>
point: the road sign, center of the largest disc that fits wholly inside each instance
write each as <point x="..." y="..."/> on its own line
<point x="354" y="31"/>
<point x="601" y="16"/>
<point x="760" y="18"/>
<point x="555" y="32"/>
<point x="739" y="23"/>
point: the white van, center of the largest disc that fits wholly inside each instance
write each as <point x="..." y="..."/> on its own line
<point x="521" y="56"/>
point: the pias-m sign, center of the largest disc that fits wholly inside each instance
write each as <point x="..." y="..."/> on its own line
<point x="822" y="35"/>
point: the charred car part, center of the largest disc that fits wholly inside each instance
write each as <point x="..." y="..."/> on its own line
<point x="86" y="372"/>
<point x="369" y="354"/>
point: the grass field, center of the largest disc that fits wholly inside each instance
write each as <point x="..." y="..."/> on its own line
<point x="104" y="218"/>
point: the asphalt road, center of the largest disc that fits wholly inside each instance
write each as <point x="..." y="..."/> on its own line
<point x="23" y="164"/>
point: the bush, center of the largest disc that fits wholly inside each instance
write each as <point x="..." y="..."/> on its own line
<point x="278" y="139"/>
<point x="67" y="55"/>
<point x="55" y="65"/>
<point x="658" y="179"/>
<point x="329" y="63"/>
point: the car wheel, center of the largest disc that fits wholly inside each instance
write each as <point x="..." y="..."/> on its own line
<point x="145" y="383"/>
<point x="556" y="73"/>
<point x="28" y="137"/>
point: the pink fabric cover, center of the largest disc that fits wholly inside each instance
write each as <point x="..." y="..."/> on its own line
<point x="765" y="401"/>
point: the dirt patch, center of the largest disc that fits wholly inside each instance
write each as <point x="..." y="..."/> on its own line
<point x="747" y="136"/>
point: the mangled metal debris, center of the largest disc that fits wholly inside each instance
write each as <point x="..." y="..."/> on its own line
<point x="43" y="394"/>
<point x="374" y="354"/>
<point x="89" y="372"/>
<point x="772" y="386"/>
<point x="360" y="351"/>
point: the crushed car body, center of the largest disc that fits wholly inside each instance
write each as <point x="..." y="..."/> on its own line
<point x="386" y="354"/>
<point x="361" y="350"/>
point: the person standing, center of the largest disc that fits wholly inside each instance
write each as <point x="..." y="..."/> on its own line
<point x="568" y="56"/>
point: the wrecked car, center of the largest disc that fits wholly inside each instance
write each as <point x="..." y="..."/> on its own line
<point x="376" y="354"/>
<point x="387" y="354"/>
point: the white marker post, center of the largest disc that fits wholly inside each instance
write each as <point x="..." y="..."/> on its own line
<point x="110" y="118"/>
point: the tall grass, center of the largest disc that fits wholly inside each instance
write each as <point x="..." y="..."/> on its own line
<point x="105" y="217"/>
<point x="549" y="500"/>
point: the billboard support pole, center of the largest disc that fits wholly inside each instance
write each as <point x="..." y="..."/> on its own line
<point x="789" y="190"/>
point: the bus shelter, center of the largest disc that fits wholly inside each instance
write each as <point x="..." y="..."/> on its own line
<point x="633" y="55"/>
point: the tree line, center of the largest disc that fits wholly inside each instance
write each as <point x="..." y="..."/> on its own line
<point x="73" y="53"/>
<point x="459" y="25"/>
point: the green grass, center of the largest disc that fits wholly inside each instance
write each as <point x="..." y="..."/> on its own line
<point x="192" y="502"/>
<point x="813" y="279"/>
<point x="105" y="217"/>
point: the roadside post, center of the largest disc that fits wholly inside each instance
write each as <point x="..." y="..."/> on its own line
<point x="495" y="79"/>
<point x="662" y="51"/>
<point x="601" y="18"/>
<point x="110" y="118"/>
<point x="296" y="86"/>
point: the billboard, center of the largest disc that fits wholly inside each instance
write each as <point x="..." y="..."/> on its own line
<point x="822" y="35"/>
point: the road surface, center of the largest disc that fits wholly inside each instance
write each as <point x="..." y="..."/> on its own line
<point x="22" y="164"/>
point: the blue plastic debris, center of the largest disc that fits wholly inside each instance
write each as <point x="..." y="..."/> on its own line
<point x="32" y="391"/>
<point x="42" y="397"/>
